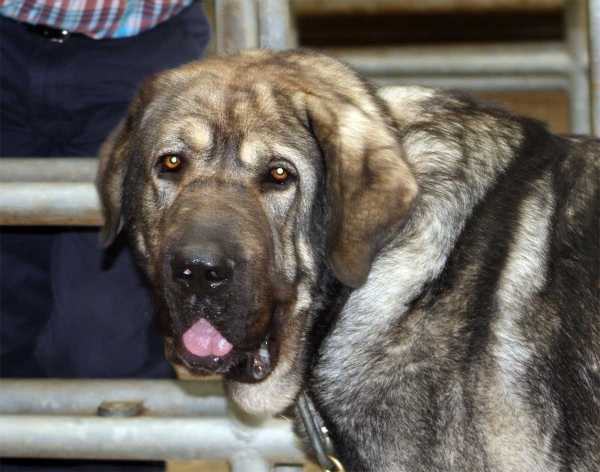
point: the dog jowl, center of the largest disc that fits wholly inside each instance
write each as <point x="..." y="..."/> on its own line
<point x="411" y="258"/>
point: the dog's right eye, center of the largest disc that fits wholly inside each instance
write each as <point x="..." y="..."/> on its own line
<point x="279" y="174"/>
<point x="168" y="163"/>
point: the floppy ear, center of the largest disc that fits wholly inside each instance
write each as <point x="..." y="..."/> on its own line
<point x="109" y="181"/>
<point x="113" y="162"/>
<point x="370" y="186"/>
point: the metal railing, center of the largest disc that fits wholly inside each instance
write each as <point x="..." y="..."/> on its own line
<point x="562" y="66"/>
<point x="42" y="191"/>
<point x="176" y="420"/>
<point x="579" y="71"/>
<point x="249" y="24"/>
<point x="521" y="67"/>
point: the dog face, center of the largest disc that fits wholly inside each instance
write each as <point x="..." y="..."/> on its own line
<point x="246" y="184"/>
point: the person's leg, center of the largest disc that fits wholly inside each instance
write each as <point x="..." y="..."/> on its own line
<point x="104" y="318"/>
<point x="25" y="292"/>
<point x="104" y="324"/>
<point x="26" y="299"/>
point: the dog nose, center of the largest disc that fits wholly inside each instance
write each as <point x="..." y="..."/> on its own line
<point x="202" y="269"/>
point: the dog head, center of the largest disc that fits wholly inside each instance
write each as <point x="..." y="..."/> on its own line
<point x="245" y="183"/>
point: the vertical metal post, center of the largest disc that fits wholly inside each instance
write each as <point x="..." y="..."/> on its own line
<point x="576" y="34"/>
<point x="275" y="24"/>
<point x="236" y="25"/>
<point x="247" y="461"/>
<point x="594" y="19"/>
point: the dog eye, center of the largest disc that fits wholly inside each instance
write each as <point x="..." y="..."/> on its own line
<point x="279" y="174"/>
<point x="169" y="163"/>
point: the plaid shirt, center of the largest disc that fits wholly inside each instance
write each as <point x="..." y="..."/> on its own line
<point x="95" y="18"/>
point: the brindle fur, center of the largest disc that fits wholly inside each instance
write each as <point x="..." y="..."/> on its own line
<point x="431" y="278"/>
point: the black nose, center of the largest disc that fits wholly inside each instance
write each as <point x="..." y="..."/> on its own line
<point x="202" y="269"/>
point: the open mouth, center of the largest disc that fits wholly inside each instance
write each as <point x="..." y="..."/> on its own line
<point x="203" y="349"/>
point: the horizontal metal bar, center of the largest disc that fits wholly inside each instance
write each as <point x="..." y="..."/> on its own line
<point x="356" y="7"/>
<point x="496" y="83"/>
<point x="82" y="397"/>
<point x="470" y="60"/>
<point x="35" y="203"/>
<point x="147" y="438"/>
<point x="55" y="169"/>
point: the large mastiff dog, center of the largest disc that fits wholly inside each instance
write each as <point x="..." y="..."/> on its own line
<point x="423" y="265"/>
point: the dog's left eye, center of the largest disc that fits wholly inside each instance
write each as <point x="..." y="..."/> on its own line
<point x="168" y="163"/>
<point x="279" y="174"/>
<point x="171" y="162"/>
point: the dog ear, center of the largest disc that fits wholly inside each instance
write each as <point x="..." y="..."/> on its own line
<point x="113" y="163"/>
<point x="370" y="186"/>
<point x="109" y="181"/>
<point x="112" y="166"/>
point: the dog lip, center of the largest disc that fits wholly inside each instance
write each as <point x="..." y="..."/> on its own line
<point x="256" y="364"/>
<point x="246" y="366"/>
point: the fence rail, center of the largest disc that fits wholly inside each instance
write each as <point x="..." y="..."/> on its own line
<point x="180" y="420"/>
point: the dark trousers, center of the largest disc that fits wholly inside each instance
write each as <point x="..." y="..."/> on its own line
<point x="66" y="309"/>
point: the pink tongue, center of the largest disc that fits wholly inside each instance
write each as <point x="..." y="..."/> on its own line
<point x="203" y="339"/>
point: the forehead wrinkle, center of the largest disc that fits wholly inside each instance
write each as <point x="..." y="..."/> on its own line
<point x="291" y="154"/>
<point x="174" y="135"/>
<point x="252" y="148"/>
<point x="196" y="134"/>
<point x="264" y="97"/>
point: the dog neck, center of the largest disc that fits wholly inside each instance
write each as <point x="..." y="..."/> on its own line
<point x="452" y="181"/>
